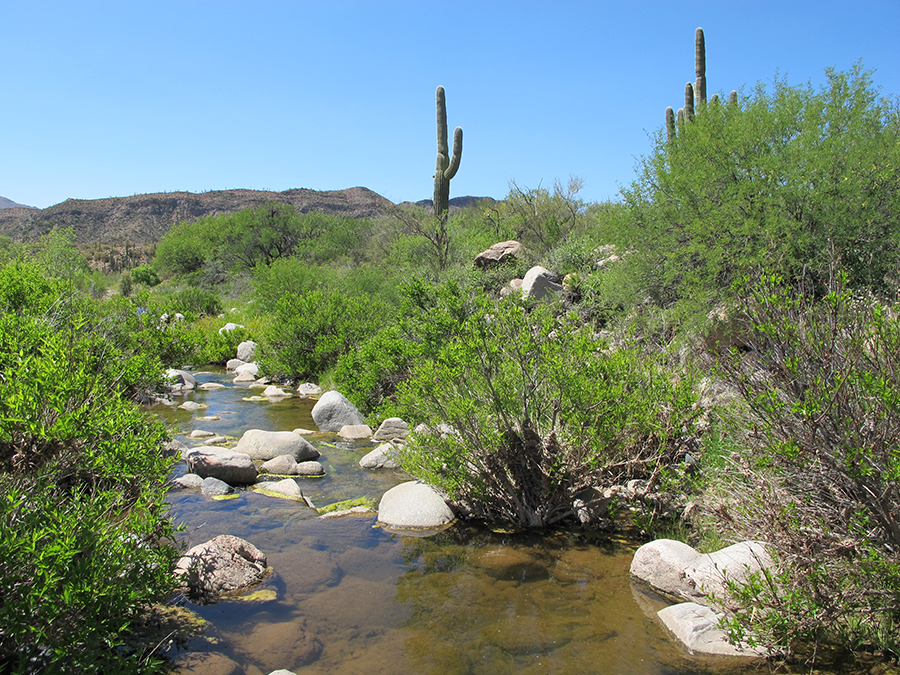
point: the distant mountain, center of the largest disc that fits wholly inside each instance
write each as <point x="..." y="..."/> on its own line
<point x="10" y="204"/>
<point x="144" y="219"/>
<point x="457" y="202"/>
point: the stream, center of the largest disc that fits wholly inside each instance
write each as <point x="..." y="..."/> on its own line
<point x="352" y="598"/>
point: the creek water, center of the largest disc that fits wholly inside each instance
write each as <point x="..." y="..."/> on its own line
<point x="352" y="598"/>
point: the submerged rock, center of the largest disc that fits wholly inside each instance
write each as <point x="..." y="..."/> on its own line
<point x="220" y="565"/>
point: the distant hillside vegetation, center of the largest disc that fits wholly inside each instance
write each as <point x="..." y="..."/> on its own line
<point x="144" y="219"/>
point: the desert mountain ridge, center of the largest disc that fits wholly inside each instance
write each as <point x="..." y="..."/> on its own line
<point x="144" y="219"/>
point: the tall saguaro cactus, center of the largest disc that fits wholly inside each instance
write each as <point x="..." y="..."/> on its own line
<point x="700" y="67"/>
<point x="446" y="167"/>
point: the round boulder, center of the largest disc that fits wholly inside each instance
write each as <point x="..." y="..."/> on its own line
<point x="382" y="457"/>
<point x="333" y="411"/>
<point x="414" y="506"/>
<point x="266" y="445"/>
<point x="391" y="428"/>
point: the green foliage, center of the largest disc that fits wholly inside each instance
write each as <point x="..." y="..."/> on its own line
<point x="58" y="257"/>
<point x="540" y="411"/>
<point x="144" y="274"/>
<point x="240" y="242"/>
<point x="83" y="520"/>
<point x="309" y="332"/>
<point x="195" y="301"/>
<point x="790" y="179"/>
<point x="125" y="285"/>
<point x="822" y="386"/>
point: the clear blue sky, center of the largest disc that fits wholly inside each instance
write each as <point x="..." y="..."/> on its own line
<point x="104" y="99"/>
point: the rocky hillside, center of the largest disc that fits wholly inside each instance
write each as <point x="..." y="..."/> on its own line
<point x="144" y="219"/>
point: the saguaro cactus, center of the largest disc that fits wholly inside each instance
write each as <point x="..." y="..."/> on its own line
<point x="670" y="124"/>
<point x="700" y="67"/>
<point x="688" y="102"/>
<point x="446" y="167"/>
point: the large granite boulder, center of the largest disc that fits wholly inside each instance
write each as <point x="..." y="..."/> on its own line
<point x="333" y="411"/>
<point x="414" y="506"/>
<point x="266" y="445"/>
<point x="235" y="468"/>
<point x="221" y="565"/>
<point x="540" y="283"/>
<point x="498" y="254"/>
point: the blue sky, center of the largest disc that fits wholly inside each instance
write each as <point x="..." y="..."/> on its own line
<point x="106" y="99"/>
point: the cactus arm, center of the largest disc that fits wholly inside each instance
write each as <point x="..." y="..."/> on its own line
<point x="688" y="102"/>
<point x="457" y="154"/>
<point x="670" y="124"/>
<point x="732" y="98"/>
<point x="700" y="66"/>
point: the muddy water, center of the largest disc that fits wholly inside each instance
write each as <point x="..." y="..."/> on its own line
<point x="352" y="598"/>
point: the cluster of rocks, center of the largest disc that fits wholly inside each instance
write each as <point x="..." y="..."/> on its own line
<point x="699" y="584"/>
<point x="538" y="283"/>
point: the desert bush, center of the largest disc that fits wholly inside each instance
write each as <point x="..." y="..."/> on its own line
<point x="308" y="333"/>
<point x="821" y="384"/>
<point x="83" y="522"/>
<point x="540" y="412"/>
<point x="144" y="274"/>
<point x="196" y="301"/>
<point x="787" y="179"/>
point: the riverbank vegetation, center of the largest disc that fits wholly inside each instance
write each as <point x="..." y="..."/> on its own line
<point x="724" y="346"/>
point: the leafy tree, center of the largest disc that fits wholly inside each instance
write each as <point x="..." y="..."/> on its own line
<point x="789" y="179"/>
<point x="144" y="274"/>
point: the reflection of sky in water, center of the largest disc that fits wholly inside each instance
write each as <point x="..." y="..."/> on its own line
<point x="353" y="598"/>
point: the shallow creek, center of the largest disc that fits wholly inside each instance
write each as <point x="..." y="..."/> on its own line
<point x="353" y="598"/>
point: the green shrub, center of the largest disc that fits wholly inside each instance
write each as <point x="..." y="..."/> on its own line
<point x="821" y="485"/>
<point x="196" y="301"/>
<point x="541" y="412"/>
<point x="83" y="521"/>
<point x="309" y="332"/>
<point x="144" y="274"/>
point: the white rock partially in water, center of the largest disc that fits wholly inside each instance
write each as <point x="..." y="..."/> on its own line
<point x="697" y="628"/>
<point x="275" y="392"/>
<point x="232" y="364"/>
<point x="266" y="445"/>
<point x="355" y="432"/>
<point x="224" y="563"/>
<point x="285" y="488"/>
<point x="333" y="411"/>
<point x="414" y="505"/>
<point x="235" y="468"/>
<point x="382" y="457"/>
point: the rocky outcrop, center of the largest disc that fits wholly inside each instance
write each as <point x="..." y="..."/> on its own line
<point x="414" y="506"/>
<point x="266" y="445"/>
<point x="221" y="565"/>
<point x="333" y="411"/>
